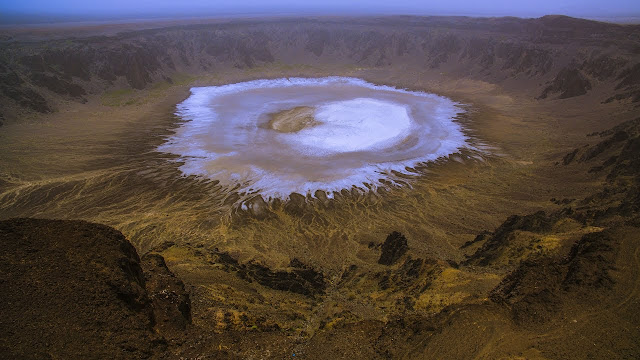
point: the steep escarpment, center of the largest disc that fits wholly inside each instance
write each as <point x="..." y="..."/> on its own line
<point x="38" y="73"/>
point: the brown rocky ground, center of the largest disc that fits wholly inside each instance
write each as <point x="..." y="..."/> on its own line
<point x="73" y="289"/>
<point x="552" y="108"/>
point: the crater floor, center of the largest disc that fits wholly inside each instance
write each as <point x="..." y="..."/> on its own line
<point x="327" y="134"/>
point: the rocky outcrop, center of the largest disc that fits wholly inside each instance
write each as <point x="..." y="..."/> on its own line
<point x="541" y="284"/>
<point x="413" y="276"/>
<point x="613" y="142"/>
<point x="629" y="78"/>
<point x="603" y="67"/>
<point x="504" y="242"/>
<point x="569" y="82"/>
<point x="618" y="157"/>
<point x="298" y="278"/>
<point x="170" y="301"/>
<point x="628" y="87"/>
<point x="393" y="248"/>
<point x="535" y="290"/>
<point x="76" y="290"/>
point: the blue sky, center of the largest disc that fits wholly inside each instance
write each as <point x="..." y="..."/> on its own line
<point x="579" y="8"/>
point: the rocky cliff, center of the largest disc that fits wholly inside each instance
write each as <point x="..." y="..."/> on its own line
<point x="565" y="56"/>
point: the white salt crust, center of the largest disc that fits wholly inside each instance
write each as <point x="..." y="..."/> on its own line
<point x="365" y="131"/>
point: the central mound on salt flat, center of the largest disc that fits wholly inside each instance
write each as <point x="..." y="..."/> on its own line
<point x="293" y="120"/>
<point x="301" y="135"/>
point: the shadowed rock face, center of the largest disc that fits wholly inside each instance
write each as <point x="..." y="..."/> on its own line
<point x="14" y="88"/>
<point x="497" y="243"/>
<point x="57" y="85"/>
<point x="299" y="278"/>
<point x="393" y="248"/>
<point x="84" y="283"/>
<point x="618" y="157"/>
<point x="487" y="49"/>
<point x="72" y="289"/>
<point x="413" y="276"/>
<point x="569" y="83"/>
<point x="170" y="302"/>
<point x="535" y="289"/>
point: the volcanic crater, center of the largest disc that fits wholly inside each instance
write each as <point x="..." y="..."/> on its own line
<point x="486" y="205"/>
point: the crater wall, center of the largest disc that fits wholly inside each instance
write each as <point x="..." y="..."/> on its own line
<point x="562" y="56"/>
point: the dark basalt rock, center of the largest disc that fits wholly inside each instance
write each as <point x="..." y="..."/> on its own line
<point x="567" y="159"/>
<point x="30" y="99"/>
<point x="627" y="163"/>
<point x="479" y="238"/>
<point x="590" y="261"/>
<point x="72" y="290"/>
<point x="619" y="153"/>
<point x="393" y="248"/>
<point x="601" y="147"/>
<point x="404" y="276"/>
<point x="169" y="299"/>
<point x="569" y="82"/>
<point x="406" y="282"/>
<point x="634" y="95"/>
<point x="632" y="127"/>
<point x="300" y="278"/>
<point x="535" y="289"/>
<point x="618" y="149"/>
<point x="497" y="242"/>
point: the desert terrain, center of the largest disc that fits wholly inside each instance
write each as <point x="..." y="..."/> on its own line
<point x="523" y="245"/>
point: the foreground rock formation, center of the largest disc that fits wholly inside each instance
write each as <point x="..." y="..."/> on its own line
<point x="76" y="290"/>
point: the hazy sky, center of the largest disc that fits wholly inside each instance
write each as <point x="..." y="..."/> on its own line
<point x="97" y="8"/>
